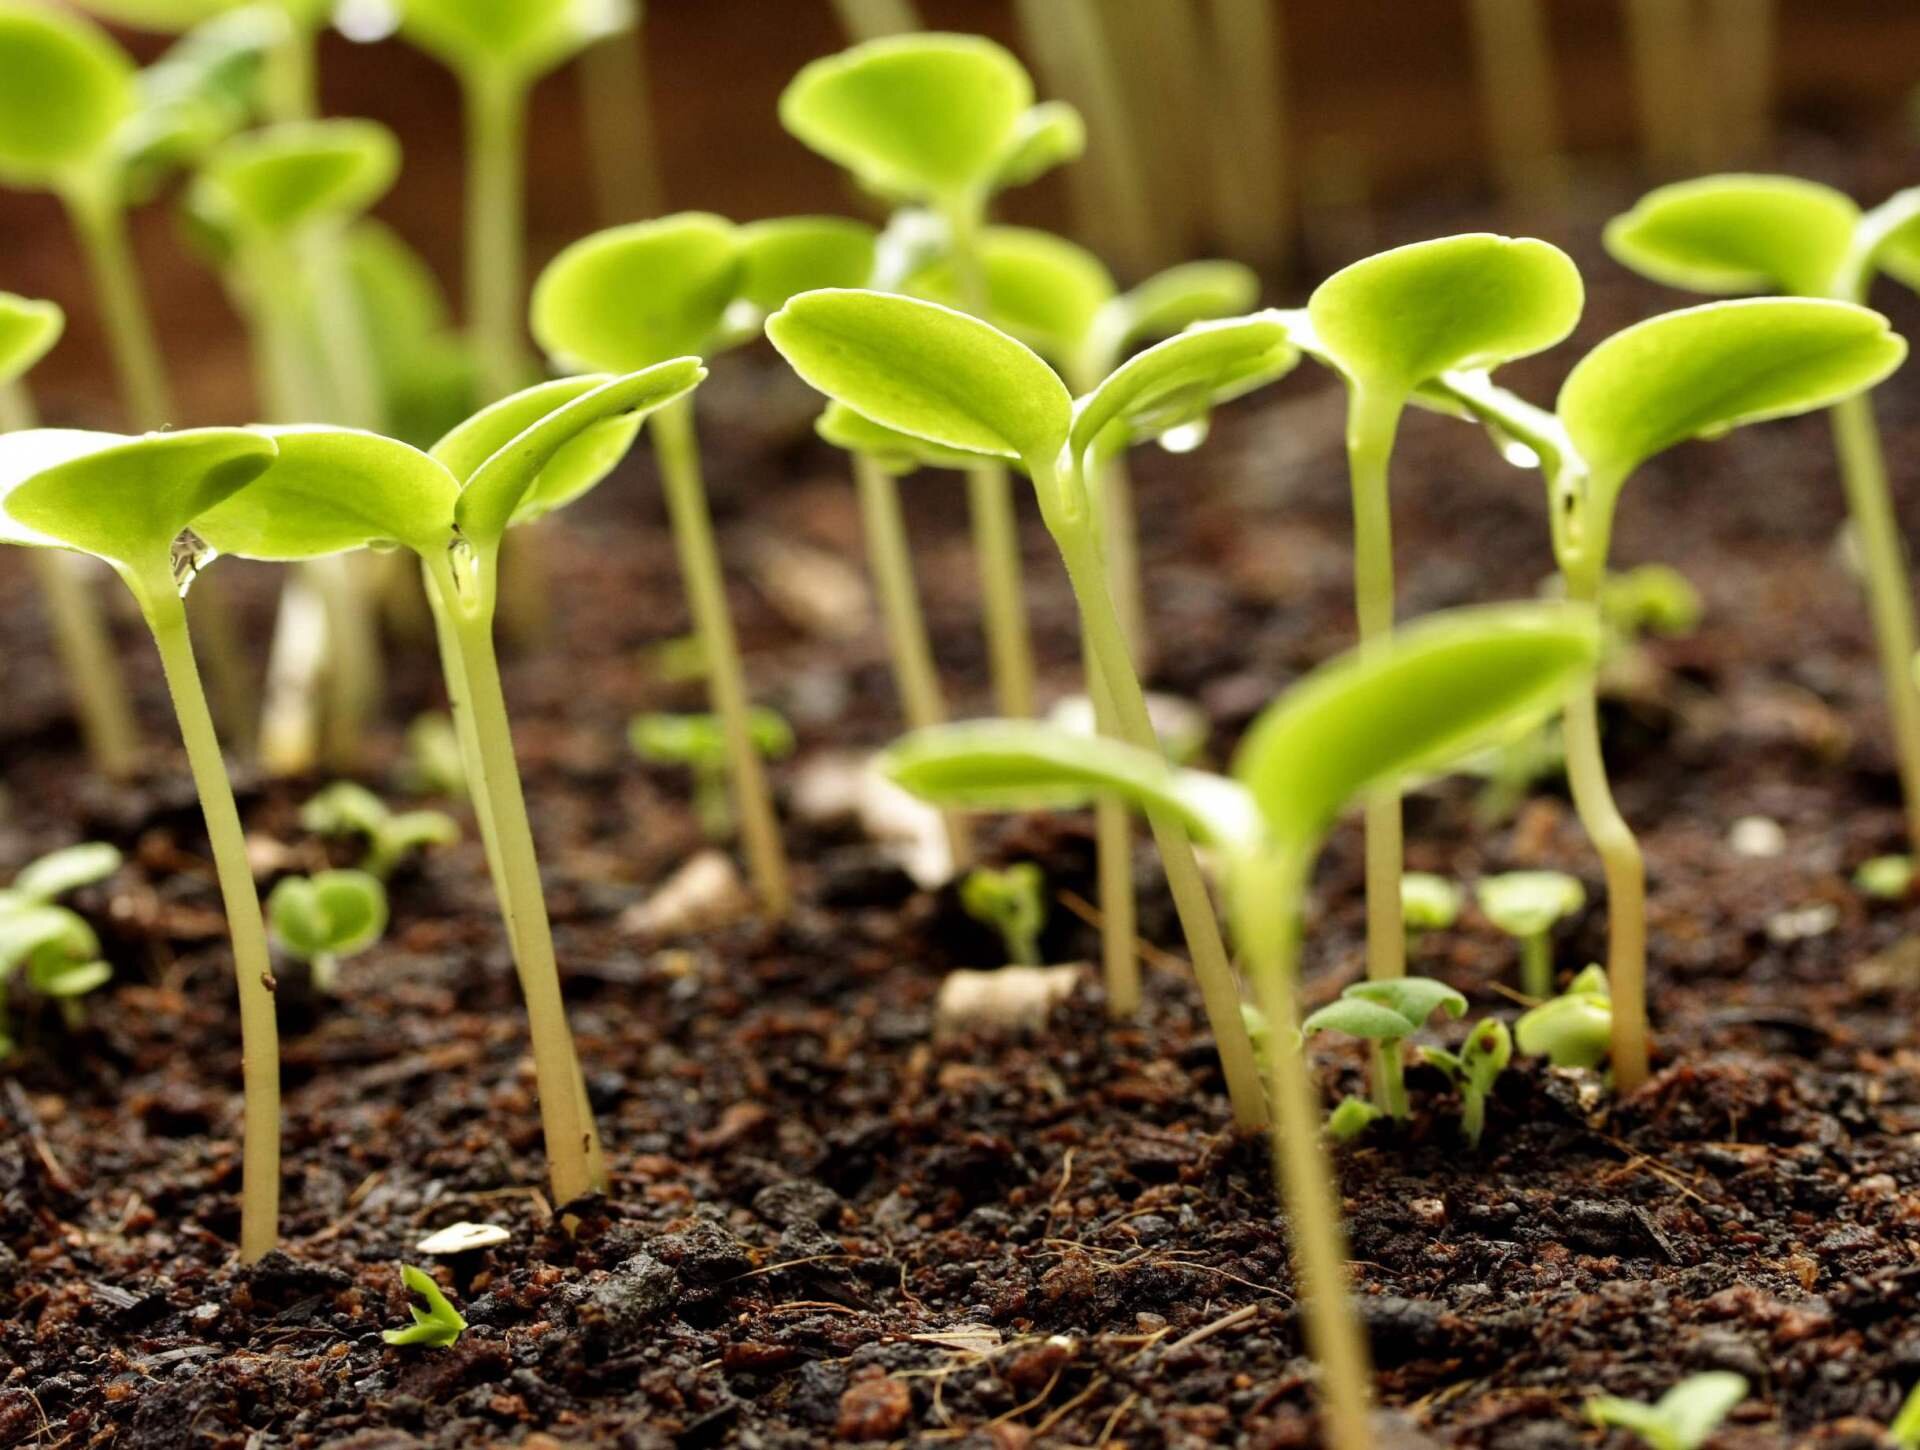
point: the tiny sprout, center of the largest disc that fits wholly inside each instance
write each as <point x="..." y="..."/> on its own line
<point x="436" y="1326"/>
<point x="59" y="951"/>
<point x="1573" y="1029"/>
<point x="1682" y="1418"/>
<point x="321" y="918"/>
<point x="1474" y="1069"/>
<point x="1886" y="878"/>
<point x="1650" y="599"/>
<point x="433" y="765"/>
<point x="700" y="743"/>
<point x="1525" y="905"/>
<point x="347" y="809"/>
<point x="58" y="872"/>
<point x="1385" y="1014"/>
<point x="1905" y="1429"/>
<point x="1013" y="902"/>
<point x="1350" y="1118"/>
<point x="1428" y="903"/>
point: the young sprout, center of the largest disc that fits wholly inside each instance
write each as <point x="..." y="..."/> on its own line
<point x="436" y="1326"/>
<point x="1351" y="1117"/>
<point x="1739" y="234"/>
<point x="1682" y="1418"/>
<point x="1427" y="903"/>
<point x="1650" y="599"/>
<point x="1574" y="1029"/>
<point x="699" y="742"/>
<point x="347" y="809"/>
<point x="1904" y="1432"/>
<point x="1886" y="878"/>
<point x="1385" y="1015"/>
<point x="321" y="918"/>
<point x="58" y="948"/>
<point x="129" y="502"/>
<point x="1429" y="695"/>
<point x="1473" y="1070"/>
<point x="1525" y="905"/>
<point x="434" y="765"/>
<point x="55" y="874"/>
<point x="1695" y="373"/>
<point x="1013" y="902"/>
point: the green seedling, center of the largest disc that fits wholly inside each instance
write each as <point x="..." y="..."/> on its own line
<point x="1904" y="1432"/>
<point x="333" y="490"/>
<point x="201" y="90"/>
<point x="438" y="1325"/>
<point x="1473" y="1070"/>
<point x="1574" y="1029"/>
<point x="1389" y="325"/>
<point x="1013" y="902"/>
<point x="1885" y="878"/>
<point x="699" y="742"/>
<point x="434" y="765"/>
<point x="1682" y="1418"/>
<point x="1350" y="1119"/>
<point x="1427" y="903"/>
<point x="1650" y="599"/>
<point x="1391" y="710"/>
<point x="40" y="882"/>
<point x="1741" y="234"/>
<point x="57" y="947"/>
<point x="1695" y="373"/>
<point x="1385" y="1015"/>
<point x="285" y="30"/>
<point x="130" y="503"/>
<point x="321" y="918"/>
<point x="1526" y="905"/>
<point x="497" y="51"/>
<point x="347" y="809"/>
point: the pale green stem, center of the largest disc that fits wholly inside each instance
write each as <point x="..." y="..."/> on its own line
<point x="621" y="151"/>
<point x="496" y="105"/>
<point x="1536" y="966"/>
<point x="1120" y="531"/>
<point x="1390" y="1077"/>
<point x="289" y="83"/>
<point x="101" y="224"/>
<point x="1113" y="841"/>
<point x="1473" y="1113"/>
<point x="252" y="966"/>
<point x="914" y="675"/>
<point x="677" y="452"/>
<point x="1516" y="83"/>
<point x="871" y="19"/>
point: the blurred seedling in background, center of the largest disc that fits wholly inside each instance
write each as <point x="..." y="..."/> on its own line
<point x="436" y="1326"/>
<point x="1427" y="903"/>
<point x="1510" y="769"/>
<point x="1885" y="878"/>
<point x="1013" y="901"/>
<point x="347" y="809"/>
<point x="1385" y="1015"/>
<point x="1904" y="1432"/>
<point x="1473" y="1070"/>
<point x="1681" y="1419"/>
<point x="1390" y="710"/>
<point x="433" y="764"/>
<point x="699" y="743"/>
<point x="1526" y="905"/>
<point x="321" y="918"/>
<point x="1573" y="1029"/>
<point x="57" y="947"/>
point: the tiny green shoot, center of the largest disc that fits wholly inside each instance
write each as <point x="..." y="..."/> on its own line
<point x="349" y="809"/>
<point x="1351" y="1117"/>
<point x="435" y="1327"/>
<point x="1885" y="878"/>
<point x="1013" y="902"/>
<point x="1384" y="1015"/>
<point x="321" y="918"/>
<point x="1574" y="1029"/>
<point x="1427" y="903"/>
<point x="58" y="948"/>
<point x="1904" y="1432"/>
<point x="699" y="742"/>
<point x="433" y="765"/>
<point x="1526" y="905"/>
<point x="1682" y="1418"/>
<point x="1473" y="1070"/>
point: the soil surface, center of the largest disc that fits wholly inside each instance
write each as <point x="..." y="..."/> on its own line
<point x="826" y="1227"/>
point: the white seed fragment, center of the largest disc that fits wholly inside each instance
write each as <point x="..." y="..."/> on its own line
<point x="702" y="895"/>
<point x="1004" y="1001"/>
<point x="1802" y="922"/>
<point x="1759" y="837"/>
<point x="462" y="1238"/>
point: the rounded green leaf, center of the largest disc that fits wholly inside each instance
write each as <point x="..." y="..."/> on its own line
<point x="333" y="913"/>
<point x="1414" y="998"/>
<point x="1175" y="298"/>
<point x="789" y="255"/>
<point x="269" y="184"/>
<point x="1393" y="320"/>
<point x="28" y="331"/>
<point x="65" y="89"/>
<point x="1741" y="233"/>
<point x="894" y="451"/>
<point x="1440" y="687"/>
<point x="516" y="37"/>
<point x="632" y="296"/>
<point x="1572" y="1030"/>
<point x="927" y="116"/>
<point x="1897" y="252"/>
<point x="1042" y="289"/>
<point x="202" y="90"/>
<point x="1357" y="1017"/>
<point x="1703" y="370"/>
<point x="926" y="370"/>
<point x="1181" y="380"/>
<point x="1527" y="903"/>
<point x="1047" y="135"/>
<point x="44" y="938"/>
<point x="68" y="869"/>
<point x="475" y="439"/>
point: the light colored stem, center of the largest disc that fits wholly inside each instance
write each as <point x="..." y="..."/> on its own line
<point x="1372" y="421"/>
<point x="1536" y="966"/>
<point x="677" y="452"/>
<point x="1113" y="842"/>
<point x="621" y="150"/>
<point x="1250" y="151"/>
<point x="101" y="224"/>
<point x="1863" y="470"/>
<point x="1739" y="36"/>
<point x="1390" y="1079"/>
<point x="914" y="676"/>
<point x="289" y="81"/>
<point x="1660" y="41"/>
<point x="1516" y="94"/>
<point x="1120" y="532"/>
<point x="872" y="19"/>
<point x="252" y="966"/>
<point x="496" y="105"/>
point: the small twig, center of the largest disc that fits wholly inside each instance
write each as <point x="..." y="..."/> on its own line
<point x="1218" y="1326"/>
<point x="1089" y="913"/>
<point x="1113" y="1420"/>
<point x="1093" y="1385"/>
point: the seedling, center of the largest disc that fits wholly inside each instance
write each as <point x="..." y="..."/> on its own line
<point x="1574" y="1029"/>
<point x="129" y="503"/>
<point x="1383" y="711"/>
<point x="1905" y="1429"/>
<point x="347" y="809"/>
<point x="1473" y="1070"/>
<point x="436" y="1326"/>
<point x="321" y="918"/>
<point x="1427" y="903"/>
<point x="57" y="947"/>
<point x="1736" y="234"/>
<point x="699" y="742"/>
<point x="1350" y="1118"/>
<point x="1013" y="902"/>
<point x="1525" y="905"/>
<point x="1385" y="1014"/>
<point x="434" y="765"/>
<point x="55" y="874"/>
<point x="1885" y="878"/>
<point x="1650" y="599"/>
<point x="1698" y="372"/>
<point x="1682" y="1418"/>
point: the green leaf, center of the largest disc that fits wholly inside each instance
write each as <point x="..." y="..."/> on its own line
<point x="1428" y="902"/>
<point x="928" y="116"/>
<point x="65" y="980"/>
<point x="436" y="1326"/>
<point x="1414" y="998"/>
<point x="1703" y="370"/>
<point x="1441" y="686"/>
<point x="521" y="38"/>
<point x="1013" y="902"/>
<point x="1695" y="1407"/>
<point x="201" y="91"/>
<point x="1013" y="765"/>
<point x="333" y="913"/>
<point x="1047" y="135"/>
<point x="1486" y="1053"/>
<point x="926" y="370"/>
<point x="271" y="184"/>
<point x="1527" y="903"/>
<point x="699" y="740"/>
<point x="894" y="451"/>
<point x="345" y="808"/>
<point x="1574" y="1029"/>
<point x="1042" y="289"/>
<point x="1351" y="1118"/>
<point x="68" y="869"/>
<point x="28" y="331"/>
<point x="1179" y="297"/>
<point x="1732" y="234"/>
<point x="632" y="296"/>
<point x="1356" y="1017"/>
<point x="43" y="937"/>
<point x="65" y="89"/>
<point x="1391" y="321"/>
<point x="795" y="254"/>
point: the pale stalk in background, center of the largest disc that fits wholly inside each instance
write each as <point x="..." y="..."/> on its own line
<point x="1515" y="70"/>
<point x="621" y="146"/>
<point x="1665" y="86"/>
<point x="872" y="19"/>
<point x="1249" y="142"/>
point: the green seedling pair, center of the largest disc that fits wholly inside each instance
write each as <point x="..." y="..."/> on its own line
<point x="1013" y="902"/>
<point x="320" y="919"/>
<point x="699" y="742"/>
<point x="390" y="836"/>
<point x="56" y="946"/>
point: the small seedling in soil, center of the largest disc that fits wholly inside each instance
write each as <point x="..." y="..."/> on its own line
<point x="321" y="918"/>
<point x="435" y="1327"/>
<point x="1427" y="903"/>
<point x="1431" y="694"/>
<point x="1473" y="1070"/>
<point x="699" y="742"/>
<point x="347" y="809"/>
<point x="1682" y="1418"/>
<point x="1350" y="1119"/>
<point x="1885" y="878"/>
<point x="57" y="947"/>
<point x="1013" y="902"/>
<point x="1574" y="1029"/>
<point x="1905" y="1429"/>
<point x="1526" y="905"/>
<point x="1385" y="1015"/>
<point x="433" y="765"/>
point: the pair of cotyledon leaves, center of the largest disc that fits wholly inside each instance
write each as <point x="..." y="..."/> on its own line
<point x="270" y="185"/>
<point x="328" y="914"/>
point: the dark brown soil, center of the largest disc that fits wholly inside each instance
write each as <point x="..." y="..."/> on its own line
<point x="823" y="1227"/>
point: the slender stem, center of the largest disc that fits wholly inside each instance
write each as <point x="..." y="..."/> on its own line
<point x="871" y="19"/>
<point x="677" y="451"/>
<point x="252" y="966"/>
<point x="1515" y="64"/>
<point x="1863" y="469"/>
<point x="1113" y="841"/>
<point x="914" y="675"/>
<point x="1120" y="533"/>
<point x="496" y="106"/>
<point x="289" y="81"/>
<point x="1473" y="1113"/>
<point x="1536" y="966"/>
<point x="1660" y="41"/>
<point x="1252" y="196"/>
<point x="621" y="151"/>
<point x="100" y="222"/>
<point x="1390" y="1079"/>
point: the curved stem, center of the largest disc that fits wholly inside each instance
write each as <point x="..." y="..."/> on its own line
<point x="496" y="104"/>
